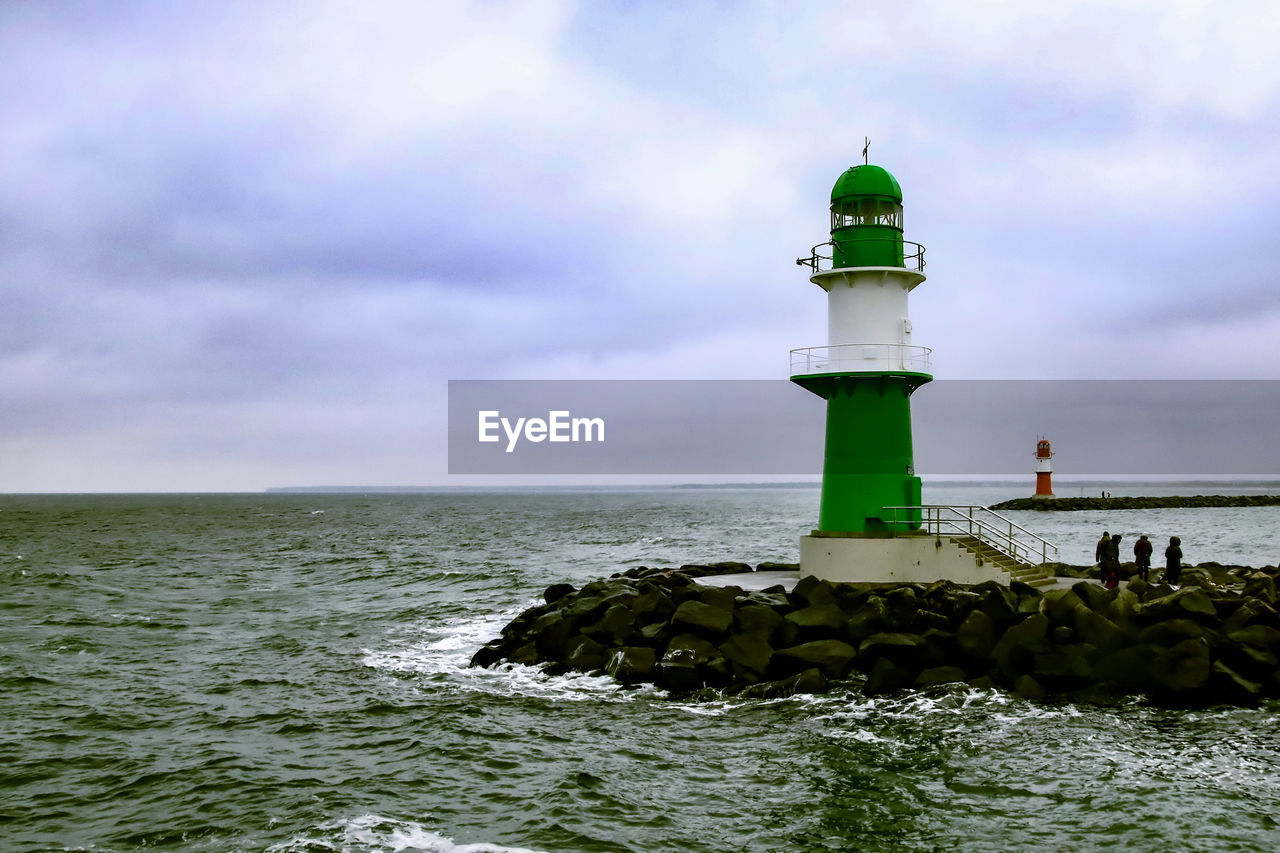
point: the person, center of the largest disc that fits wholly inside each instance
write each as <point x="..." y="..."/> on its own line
<point x="1173" y="561"/>
<point x="1112" y="562"/>
<point x="1142" y="556"/>
<point x="1099" y="556"/>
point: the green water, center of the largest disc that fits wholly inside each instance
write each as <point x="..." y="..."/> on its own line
<point x="287" y="673"/>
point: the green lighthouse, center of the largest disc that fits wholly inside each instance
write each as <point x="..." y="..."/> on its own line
<point x="870" y="367"/>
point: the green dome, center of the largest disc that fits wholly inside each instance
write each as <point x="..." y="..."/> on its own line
<point x="866" y="181"/>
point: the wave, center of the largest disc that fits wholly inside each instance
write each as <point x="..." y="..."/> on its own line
<point x="382" y="834"/>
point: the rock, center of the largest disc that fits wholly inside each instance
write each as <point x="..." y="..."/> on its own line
<point x="871" y="618"/>
<point x="1171" y="632"/>
<point x="940" y="675"/>
<point x="886" y="677"/>
<point x="757" y="620"/>
<point x="1263" y="588"/>
<point x="584" y="654"/>
<point x="556" y="591"/>
<point x="910" y="650"/>
<point x="976" y="636"/>
<point x="1124" y="607"/>
<point x="631" y="664"/>
<point x="1231" y="683"/>
<point x="998" y="603"/>
<point x="685" y="664"/>
<point x="1094" y="596"/>
<point x="701" y="618"/>
<point x="487" y="655"/>
<point x="809" y="591"/>
<point x="1060" y="605"/>
<point x="615" y="626"/>
<point x="809" y="681"/>
<point x="748" y="654"/>
<point x="1015" y="650"/>
<point x="551" y="635"/>
<point x="833" y="657"/>
<point x="1028" y="688"/>
<point x="1063" y="666"/>
<point x="721" y="597"/>
<point x="1187" y="668"/>
<point x="1134" y="668"/>
<point x="819" y="621"/>
<point x="1097" y="630"/>
<point x="584" y="608"/>
<point x="1183" y="604"/>
<point x="1259" y="636"/>
<point x="1062" y="635"/>
<point x="1252" y="611"/>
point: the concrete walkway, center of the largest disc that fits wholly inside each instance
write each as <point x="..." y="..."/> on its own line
<point x="756" y="581"/>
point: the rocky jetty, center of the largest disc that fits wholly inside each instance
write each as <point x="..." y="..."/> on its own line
<point x="1209" y="641"/>
<point x="1189" y="501"/>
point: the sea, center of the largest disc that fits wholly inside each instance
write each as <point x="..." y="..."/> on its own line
<point x="287" y="673"/>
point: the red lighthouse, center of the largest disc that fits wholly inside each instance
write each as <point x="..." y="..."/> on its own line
<point x="1044" y="469"/>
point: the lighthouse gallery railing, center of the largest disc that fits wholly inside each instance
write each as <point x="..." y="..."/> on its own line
<point x="989" y="527"/>
<point x="912" y="255"/>
<point x="860" y="358"/>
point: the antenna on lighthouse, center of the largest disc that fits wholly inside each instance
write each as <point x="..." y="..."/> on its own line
<point x="866" y="140"/>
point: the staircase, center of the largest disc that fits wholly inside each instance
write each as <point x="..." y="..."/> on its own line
<point x="989" y="536"/>
<point x="983" y="552"/>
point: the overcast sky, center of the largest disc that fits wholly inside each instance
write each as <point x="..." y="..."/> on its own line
<point x="246" y="244"/>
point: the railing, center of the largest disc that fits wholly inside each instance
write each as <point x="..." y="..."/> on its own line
<point x="860" y="358"/>
<point x="912" y="255"/>
<point x="986" y="526"/>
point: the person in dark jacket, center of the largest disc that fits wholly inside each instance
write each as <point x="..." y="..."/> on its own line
<point x="1099" y="553"/>
<point x="1173" y="561"/>
<point x="1111" y="563"/>
<point x="1142" y="556"/>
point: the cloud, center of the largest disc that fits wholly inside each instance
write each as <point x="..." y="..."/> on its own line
<point x="326" y="207"/>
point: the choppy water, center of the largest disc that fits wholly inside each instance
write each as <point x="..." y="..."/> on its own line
<point x="287" y="673"/>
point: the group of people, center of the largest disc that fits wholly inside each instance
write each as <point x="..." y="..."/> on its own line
<point x="1108" y="556"/>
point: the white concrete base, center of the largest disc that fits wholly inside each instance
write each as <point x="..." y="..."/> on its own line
<point x="902" y="559"/>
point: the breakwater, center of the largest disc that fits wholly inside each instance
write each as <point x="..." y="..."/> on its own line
<point x="1174" y="502"/>
<point x="1209" y="641"/>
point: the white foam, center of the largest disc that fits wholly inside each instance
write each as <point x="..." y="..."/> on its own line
<point x="443" y="653"/>
<point x="375" y="834"/>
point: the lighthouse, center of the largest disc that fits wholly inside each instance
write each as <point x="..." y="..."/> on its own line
<point x="1044" y="469"/>
<point x="867" y="373"/>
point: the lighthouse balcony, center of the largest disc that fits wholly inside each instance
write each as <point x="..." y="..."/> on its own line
<point x="860" y="358"/>
<point x="822" y="256"/>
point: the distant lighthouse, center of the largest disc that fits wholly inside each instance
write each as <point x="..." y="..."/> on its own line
<point x="1044" y="469"/>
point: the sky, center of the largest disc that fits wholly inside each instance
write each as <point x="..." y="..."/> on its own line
<point x="246" y="245"/>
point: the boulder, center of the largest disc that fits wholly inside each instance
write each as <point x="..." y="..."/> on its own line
<point x="833" y="657"/>
<point x="887" y="676"/>
<point x="1015" y="650"/>
<point x="551" y="635"/>
<point x="616" y="625"/>
<point x="556" y="591"/>
<point x="998" y="603"/>
<point x="809" y="591"/>
<point x="721" y="597"/>
<point x="1259" y="636"/>
<point x="1060" y="605"/>
<point x="976" y="636"/>
<point x="1133" y="668"/>
<point x="818" y="621"/>
<point x="809" y="681"/>
<point x="871" y="618"/>
<point x="1097" y="630"/>
<point x="631" y="664"/>
<point x="700" y="618"/>
<point x="1232" y="684"/>
<point x="1094" y="595"/>
<point x="748" y="654"/>
<point x="1184" y="604"/>
<point x="940" y="675"/>
<point x="910" y="650"/>
<point x="756" y="619"/>
<point x="1170" y="632"/>
<point x="584" y="654"/>
<point x="1028" y="688"/>
<point x="1187" y="669"/>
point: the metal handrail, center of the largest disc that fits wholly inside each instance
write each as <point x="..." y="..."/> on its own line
<point x="1000" y="537"/>
<point x="911" y="260"/>
<point x="860" y="358"/>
